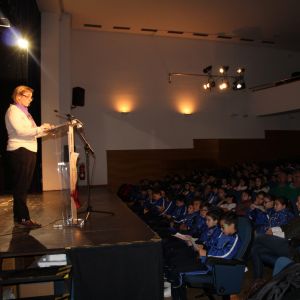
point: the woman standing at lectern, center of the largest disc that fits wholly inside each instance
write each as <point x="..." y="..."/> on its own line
<point x="22" y="148"/>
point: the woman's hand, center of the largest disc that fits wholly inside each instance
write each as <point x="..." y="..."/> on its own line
<point x="46" y="127"/>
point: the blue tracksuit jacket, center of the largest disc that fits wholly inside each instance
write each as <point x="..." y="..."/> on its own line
<point x="209" y="236"/>
<point x="225" y="246"/>
<point x="280" y="218"/>
<point x="179" y="213"/>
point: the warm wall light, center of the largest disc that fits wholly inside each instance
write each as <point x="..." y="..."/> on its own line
<point x="123" y="103"/>
<point x="124" y="108"/>
<point x="187" y="110"/>
<point x="186" y="106"/>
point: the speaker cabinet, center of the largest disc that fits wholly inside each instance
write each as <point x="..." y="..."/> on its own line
<point x="78" y="96"/>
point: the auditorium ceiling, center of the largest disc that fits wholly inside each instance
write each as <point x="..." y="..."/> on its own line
<point x="256" y="22"/>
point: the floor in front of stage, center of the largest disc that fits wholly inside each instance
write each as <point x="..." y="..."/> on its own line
<point x="48" y="209"/>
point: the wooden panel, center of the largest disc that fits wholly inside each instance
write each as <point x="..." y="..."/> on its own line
<point x="130" y="166"/>
<point x="283" y="144"/>
<point x="234" y="151"/>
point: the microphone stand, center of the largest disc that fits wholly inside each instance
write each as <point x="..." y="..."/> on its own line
<point x="88" y="150"/>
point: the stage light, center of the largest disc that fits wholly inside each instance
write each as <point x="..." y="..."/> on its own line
<point x="207" y="70"/>
<point x="224" y="85"/>
<point x="223" y="69"/>
<point x="238" y="85"/>
<point x="209" y="85"/>
<point x="239" y="82"/>
<point x="23" y="43"/>
<point x="223" y="79"/>
<point x="240" y="70"/>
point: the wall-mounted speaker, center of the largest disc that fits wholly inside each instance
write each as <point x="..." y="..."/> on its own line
<point x="78" y="96"/>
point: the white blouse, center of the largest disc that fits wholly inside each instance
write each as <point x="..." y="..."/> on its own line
<point x="21" y="130"/>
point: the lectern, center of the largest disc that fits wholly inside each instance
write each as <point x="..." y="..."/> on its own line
<point x="70" y="210"/>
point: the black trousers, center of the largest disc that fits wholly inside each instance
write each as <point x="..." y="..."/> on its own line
<point x="22" y="164"/>
<point x="266" y="249"/>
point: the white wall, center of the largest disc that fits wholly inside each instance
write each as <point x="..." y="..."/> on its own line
<point x="276" y="99"/>
<point x="116" y="68"/>
<point x="55" y="91"/>
<point x="50" y="83"/>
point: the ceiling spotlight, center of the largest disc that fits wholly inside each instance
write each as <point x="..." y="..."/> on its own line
<point x="223" y="69"/>
<point x="206" y="86"/>
<point x="224" y="80"/>
<point x="209" y="85"/>
<point x="240" y="70"/>
<point x="224" y="85"/>
<point x="238" y="85"/>
<point x="207" y="70"/>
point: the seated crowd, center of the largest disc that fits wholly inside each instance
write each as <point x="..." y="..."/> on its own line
<point x="196" y="216"/>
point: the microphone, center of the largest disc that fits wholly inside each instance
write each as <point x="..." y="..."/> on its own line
<point x="70" y="117"/>
<point x="76" y="123"/>
<point x="64" y="116"/>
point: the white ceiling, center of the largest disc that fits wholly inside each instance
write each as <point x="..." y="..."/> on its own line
<point x="274" y="23"/>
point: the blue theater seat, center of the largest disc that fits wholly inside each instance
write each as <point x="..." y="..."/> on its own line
<point x="226" y="276"/>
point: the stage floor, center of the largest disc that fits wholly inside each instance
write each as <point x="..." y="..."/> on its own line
<point x="47" y="209"/>
<point x="109" y="251"/>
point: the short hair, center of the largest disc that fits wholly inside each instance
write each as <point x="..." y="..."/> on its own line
<point x="156" y="191"/>
<point x="282" y="201"/>
<point x="230" y="195"/>
<point x="205" y="204"/>
<point x="215" y="214"/>
<point x="261" y="193"/>
<point x="230" y="218"/>
<point x="247" y="192"/>
<point x="180" y="199"/>
<point x="197" y="198"/>
<point x="19" y="90"/>
<point x="269" y="196"/>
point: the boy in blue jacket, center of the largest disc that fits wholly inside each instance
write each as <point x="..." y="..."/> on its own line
<point x="212" y="232"/>
<point x="179" y="254"/>
<point x="281" y="214"/>
<point x="179" y="212"/>
<point x="200" y="222"/>
<point x="225" y="246"/>
<point x="228" y="242"/>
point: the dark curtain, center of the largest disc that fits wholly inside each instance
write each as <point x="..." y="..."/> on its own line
<point x="130" y="271"/>
<point x="19" y="67"/>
